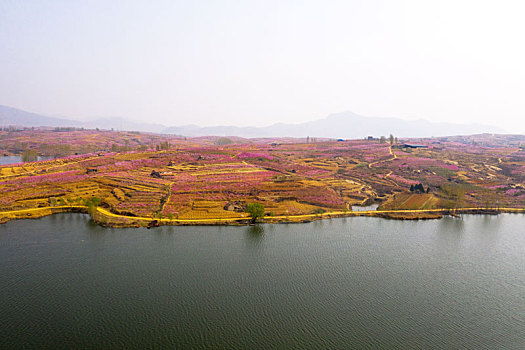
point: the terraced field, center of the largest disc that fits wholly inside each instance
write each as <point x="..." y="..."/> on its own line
<point x="195" y="179"/>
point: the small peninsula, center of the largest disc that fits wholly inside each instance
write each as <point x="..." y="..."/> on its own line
<point x="128" y="179"/>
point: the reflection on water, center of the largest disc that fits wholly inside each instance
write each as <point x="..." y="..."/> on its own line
<point x="256" y="230"/>
<point x="450" y="233"/>
<point x="451" y="225"/>
<point x="491" y="222"/>
<point x="255" y="235"/>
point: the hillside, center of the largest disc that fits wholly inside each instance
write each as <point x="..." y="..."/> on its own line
<point x="135" y="177"/>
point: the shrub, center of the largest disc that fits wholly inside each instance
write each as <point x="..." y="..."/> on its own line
<point x="223" y="141"/>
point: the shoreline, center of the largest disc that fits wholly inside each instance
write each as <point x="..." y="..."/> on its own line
<point x="106" y="218"/>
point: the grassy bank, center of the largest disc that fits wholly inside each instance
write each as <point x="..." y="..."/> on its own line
<point x="105" y="217"/>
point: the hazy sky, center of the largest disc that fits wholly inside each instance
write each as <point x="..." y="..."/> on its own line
<point x="259" y="62"/>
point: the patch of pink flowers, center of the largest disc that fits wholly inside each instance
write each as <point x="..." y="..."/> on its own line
<point x="255" y="155"/>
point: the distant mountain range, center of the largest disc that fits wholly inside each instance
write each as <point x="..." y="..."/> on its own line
<point x="17" y="117"/>
<point x="345" y="125"/>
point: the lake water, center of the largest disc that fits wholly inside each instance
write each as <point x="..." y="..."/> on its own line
<point x="4" y="160"/>
<point x="365" y="208"/>
<point x="342" y="283"/>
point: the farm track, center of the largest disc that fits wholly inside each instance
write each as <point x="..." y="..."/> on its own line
<point x="168" y="197"/>
<point x="394" y="156"/>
